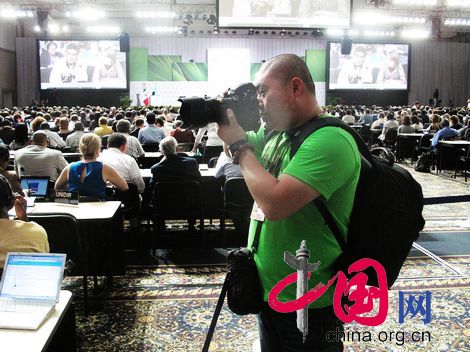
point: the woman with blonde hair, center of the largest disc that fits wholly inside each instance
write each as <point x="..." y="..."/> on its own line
<point x="89" y="176"/>
<point x="435" y="124"/>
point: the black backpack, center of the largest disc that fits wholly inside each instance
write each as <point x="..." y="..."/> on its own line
<point x="424" y="163"/>
<point x="386" y="217"/>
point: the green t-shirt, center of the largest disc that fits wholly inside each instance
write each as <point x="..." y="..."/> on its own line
<point x="329" y="162"/>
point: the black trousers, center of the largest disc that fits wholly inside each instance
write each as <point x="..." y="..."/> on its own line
<point x="278" y="331"/>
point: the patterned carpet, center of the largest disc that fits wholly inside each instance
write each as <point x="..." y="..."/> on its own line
<point x="169" y="308"/>
<point x="443" y="217"/>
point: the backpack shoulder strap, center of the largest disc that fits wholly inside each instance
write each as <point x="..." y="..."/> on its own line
<point x="300" y="134"/>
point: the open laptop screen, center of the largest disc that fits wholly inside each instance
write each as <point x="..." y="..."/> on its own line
<point x="32" y="276"/>
<point x="37" y="186"/>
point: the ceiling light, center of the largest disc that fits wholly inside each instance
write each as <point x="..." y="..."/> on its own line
<point x="37" y="28"/>
<point x="164" y="29"/>
<point x="104" y="29"/>
<point x="415" y="33"/>
<point x="88" y="14"/>
<point x="156" y="14"/>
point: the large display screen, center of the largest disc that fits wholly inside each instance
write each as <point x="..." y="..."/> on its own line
<point x="89" y="64"/>
<point x="284" y="13"/>
<point x="369" y="66"/>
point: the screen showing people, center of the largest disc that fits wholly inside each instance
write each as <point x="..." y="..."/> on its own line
<point x="82" y="64"/>
<point x="369" y="66"/>
<point x="284" y="13"/>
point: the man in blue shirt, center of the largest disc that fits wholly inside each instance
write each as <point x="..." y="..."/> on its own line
<point x="444" y="132"/>
<point x="151" y="134"/>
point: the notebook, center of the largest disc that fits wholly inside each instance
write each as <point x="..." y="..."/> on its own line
<point x="29" y="289"/>
<point x="37" y="187"/>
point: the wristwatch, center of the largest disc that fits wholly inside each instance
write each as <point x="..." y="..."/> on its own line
<point x="235" y="146"/>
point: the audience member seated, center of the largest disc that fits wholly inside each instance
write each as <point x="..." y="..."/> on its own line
<point x="366" y="118"/>
<point x="139" y="124"/>
<point x="55" y="140"/>
<point x="73" y="139"/>
<point x="36" y="123"/>
<point x="125" y="165"/>
<point x="11" y="176"/>
<point x="379" y="123"/>
<point x="225" y="166"/>
<point x="455" y="122"/>
<point x="406" y="126"/>
<point x="349" y="118"/>
<point x="416" y="124"/>
<point x="103" y="129"/>
<point x="21" y="137"/>
<point x="133" y="147"/>
<point x="444" y="133"/>
<point x="7" y="132"/>
<point x="18" y="235"/>
<point x="174" y="167"/>
<point x="182" y="135"/>
<point x="166" y="127"/>
<point x="39" y="160"/>
<point x="151" y="134"/>
<point x="89" y="176"/>
<point x="465" y="129"/>
<point x="435" y="124"/>
<point x="64" y="131"/>
<point x="391" y="123"/>
<point x="214" y="145"/>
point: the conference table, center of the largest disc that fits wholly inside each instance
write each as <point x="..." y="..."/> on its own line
<point x="100" y="226"/>
<point x="448" y="153"/>
<point x="57" y="333"/>
<point x="207" y="173"/>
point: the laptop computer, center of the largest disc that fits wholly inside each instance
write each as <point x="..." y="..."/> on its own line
<point x="37" y="186"/>
<point x="29" y="289"/>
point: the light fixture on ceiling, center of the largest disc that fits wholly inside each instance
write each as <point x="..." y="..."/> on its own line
<point x="211" y="20"/>
<point x="156" y="14"/>
<point x="11" y="13"/>
<point x="87" y="14"/>
<point x="415" y="33"/>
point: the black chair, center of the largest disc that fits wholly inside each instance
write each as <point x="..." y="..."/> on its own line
<point x="424" y="144"/>
<point x="131" y="207"/>
<point x="238" y="203"/>
<point x="463" y="163"/>
<point x="213" y="162"/>
<point x="172" y="200"/>
<point x="104" y="141"/>
<point x="390" y="139"/>
<point x="150" y="147"/>
<point x="63" y="235"/>
<point x="365" y="133"/>
<point x="406" y="147"/>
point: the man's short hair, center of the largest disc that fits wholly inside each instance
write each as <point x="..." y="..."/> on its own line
<point x="445" y="123"/>
<point x="178" y="123"/>
<point x="4" y="153"/>
<point x="123" y="126"/>
<point x="72" y="46"/>
<point x="7" y="198"/>
<point x="160" y="121"/>
<point x="103" y="121"/>
<point x="287" y="66"/>
<point x="40" y="138"/>
<point x="116" y="140"/>
<point x="78" y="126"/>
<point x="45" y="126"/>
<point x="150" y="118"/>
<point x="139" y="121"/>
<point x="168" y="146"/>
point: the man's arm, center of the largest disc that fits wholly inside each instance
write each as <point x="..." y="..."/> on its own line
<point x="278" y="198"/>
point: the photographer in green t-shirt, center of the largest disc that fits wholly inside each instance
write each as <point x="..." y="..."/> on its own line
<point x="327" y="164"/>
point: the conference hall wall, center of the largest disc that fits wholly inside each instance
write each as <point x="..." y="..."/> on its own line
<point x="7" y="64"/>
<point x="443" y="65"/>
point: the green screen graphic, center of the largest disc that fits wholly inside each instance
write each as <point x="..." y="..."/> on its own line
<point x="161" y="67"/>
<point x="138" y="64"/>
<point x="189" y="71"/>
<point x="316" y="63"/>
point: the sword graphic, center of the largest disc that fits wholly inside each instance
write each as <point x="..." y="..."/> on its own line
<point x="300" y="262"/>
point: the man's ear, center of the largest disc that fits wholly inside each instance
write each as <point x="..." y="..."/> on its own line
<point x="297" y="86"/>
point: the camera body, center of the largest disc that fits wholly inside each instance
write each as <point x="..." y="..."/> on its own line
<point x="198" y="112"/>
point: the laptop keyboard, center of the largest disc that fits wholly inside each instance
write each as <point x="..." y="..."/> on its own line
<point x="11" y="305"/>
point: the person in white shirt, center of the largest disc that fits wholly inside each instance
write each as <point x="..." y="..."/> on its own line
<point x="389" y="125"/>
<point x="125" y="165"/>
<point x="73" y="140"/>
<point x="55" y="140"/>
<point x="378" y="124"/>
<point x="348" y="118"/>
<point x="133" y="148"/>
<point x="214" y="145"/>
<point x="225" y="166"/>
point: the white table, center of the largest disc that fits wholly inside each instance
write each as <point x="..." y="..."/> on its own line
<point x="38" y="340"/>
<point x="82" y="211"/>
<point x="456" y="143"/>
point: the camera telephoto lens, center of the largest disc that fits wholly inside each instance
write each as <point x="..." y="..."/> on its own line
<point x="197" y="112"/>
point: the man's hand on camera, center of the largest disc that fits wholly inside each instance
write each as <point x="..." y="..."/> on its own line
<point x="232" y="132"/>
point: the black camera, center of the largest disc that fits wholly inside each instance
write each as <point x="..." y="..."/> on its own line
<point x="198" y="112"/>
